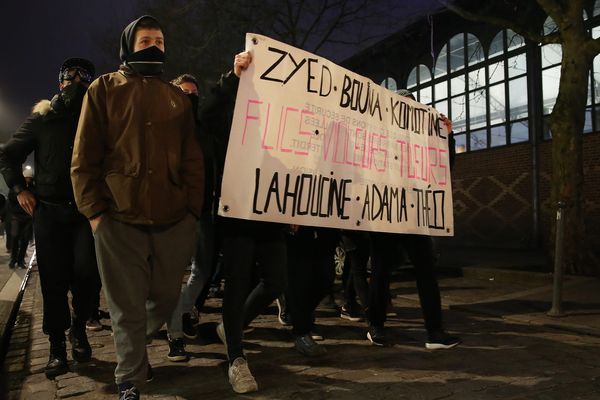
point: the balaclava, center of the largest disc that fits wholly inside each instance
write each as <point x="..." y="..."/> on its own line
<point x="147" y="62"/>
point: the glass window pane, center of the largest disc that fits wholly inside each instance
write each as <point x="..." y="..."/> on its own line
<point x="442" y="107"/>
<point x="497" y="45"/>
<point x="517" y="89"/>
<point x="549" y="26"/>
<point x="458" y="113"/>
<point x="425" y="95"/>
<point x="441" y="90"/>
<point x="390" y="84"/>
<point x="478" y="140"/>
<point x="589" y="91"/>
<point x="546" y="127"/>
<point x="551" y="54"/>
<point x="514" y="40"/>
<point x="498" y="136"/>
<point x="477" y="109"/>
<point x="587" y="127"/>
<point x="517" y="65"/>
<point x="441" y="66"/>
<point x="497" y="104"/>
<point x="596" y="81"/>
<point x="550" y="82"/>
<point x="596" y="7"/>
<point x="457" y="85"/>
<point x="477" y="78"/>
<point x="496" y="72"/>
<point x="457" y="52"/>
<point x="412" y="79"/>
<point x="474" y="50"/>
<point x="460" y="143"/>
<point x="519" y="132"/>
<point x="424" y="74"/>
<point x="596" y="32"/>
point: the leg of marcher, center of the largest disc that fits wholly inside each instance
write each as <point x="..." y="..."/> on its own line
<point x="123" y="252"/>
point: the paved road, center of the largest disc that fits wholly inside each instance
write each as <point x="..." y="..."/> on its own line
<point x="511" y="350"/>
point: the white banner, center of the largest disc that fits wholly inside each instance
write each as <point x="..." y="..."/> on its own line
<point x="315" y="144"/>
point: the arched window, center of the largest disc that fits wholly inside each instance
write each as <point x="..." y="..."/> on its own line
<point x="389" y="83"/>
<point x="419" y="82"/>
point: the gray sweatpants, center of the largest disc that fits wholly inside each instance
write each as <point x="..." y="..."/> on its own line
<point x="141" y="271"/>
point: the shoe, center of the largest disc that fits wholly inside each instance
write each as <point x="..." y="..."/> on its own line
<point x="128" y="392"/>
<point x="189" y="329"/>
<point x="306" y="345"/>
<point x="441" y="340"/>
<point x="349" y="313"/>
<point x="221" y="334"/>
<point x="240" y="377"/>
<point x="149" y="374"/>
<point x="329" y="303"/>
<point x="177" y="351"/>
<point x="80" y="347"/>
<point x="21" y="264"/>
<point x="93" y="324"/>
<point x="12" y="263"/>
<point x="315" y="333"/>
<point x="376" y="335"/>
<point x="57" y="361"/>
<point x="283" y="316"/>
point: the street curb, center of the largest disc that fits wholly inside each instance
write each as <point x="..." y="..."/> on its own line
<point x="498" y="273"/>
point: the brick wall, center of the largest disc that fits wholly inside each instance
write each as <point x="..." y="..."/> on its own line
<point x="492" y="192"/>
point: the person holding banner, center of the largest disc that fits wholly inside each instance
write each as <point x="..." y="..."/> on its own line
<point x="138" y="176"/>
<point x="421" y="254"/>
<point x="245" y="242"/>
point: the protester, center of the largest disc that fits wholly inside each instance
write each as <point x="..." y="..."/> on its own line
<point x="63" y="239"/>
<point x="181" y="323"/>
<point x="420" y="253"/>
<point x="20" y="224"/>
<point x="245" y="243"/>
<point x="138" y="177"/>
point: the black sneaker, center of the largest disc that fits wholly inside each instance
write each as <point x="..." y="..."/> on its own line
<point x="80" y="347"/>
<point x="177" y="351"/>
<point x="127" y="391"/>
<point x="149" y="374"/>
<point x="376" y="335"/>
<point x="349" y="313"/>
<point x="12" y="264"/>
<point x="57" y="361"/>
<point x="189" y="328"/>
<point x="441" y="340"/>
<point x="282" y="315"/>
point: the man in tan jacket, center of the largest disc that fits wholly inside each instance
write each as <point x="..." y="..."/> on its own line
<point x="138" y="176"/>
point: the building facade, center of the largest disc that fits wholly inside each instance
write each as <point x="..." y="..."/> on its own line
<point x="499" y="90"/>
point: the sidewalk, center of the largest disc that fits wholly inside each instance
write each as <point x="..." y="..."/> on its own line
<point x="511" y="350"/>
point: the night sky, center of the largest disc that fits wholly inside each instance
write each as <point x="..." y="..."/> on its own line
<point x="38" y="35"/>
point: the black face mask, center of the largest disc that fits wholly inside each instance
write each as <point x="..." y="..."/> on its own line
<point x="72" y="96"/>
<point x="147" y="62"/>
<point x="195" y="99"/>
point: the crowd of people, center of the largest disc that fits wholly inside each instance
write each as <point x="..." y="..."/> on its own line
<point x="127" y="179"/>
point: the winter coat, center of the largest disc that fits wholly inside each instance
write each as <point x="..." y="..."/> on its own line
<point x="50" y="132"/>
<point x="136" y="156"/>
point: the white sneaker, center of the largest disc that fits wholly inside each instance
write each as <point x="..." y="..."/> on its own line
<point x="240" y="377"/>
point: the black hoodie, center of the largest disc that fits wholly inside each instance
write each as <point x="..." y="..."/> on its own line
<point x="128" y="36"/>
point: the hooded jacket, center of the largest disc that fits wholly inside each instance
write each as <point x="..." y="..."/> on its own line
<point x="136" y="156"/>
<point x="50" y="132"/>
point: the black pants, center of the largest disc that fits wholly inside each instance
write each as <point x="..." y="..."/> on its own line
<point x="20" y="235"/>
<point x="311" y="268"/>
<point x="66" y="261"/>
<point x="245" y="244"/>
<point x="358" y="248"/>
<point x="420" y="252"/>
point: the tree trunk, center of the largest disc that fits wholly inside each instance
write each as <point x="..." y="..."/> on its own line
<point x="566" y="122"/>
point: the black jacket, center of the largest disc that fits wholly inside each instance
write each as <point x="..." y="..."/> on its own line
<point x="50" y="132"/>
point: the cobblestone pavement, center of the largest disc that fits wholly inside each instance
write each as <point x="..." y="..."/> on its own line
<point x="502" y="357"/>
